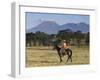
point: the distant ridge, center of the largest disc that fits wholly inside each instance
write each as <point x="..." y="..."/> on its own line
<point x="51" y="27"/>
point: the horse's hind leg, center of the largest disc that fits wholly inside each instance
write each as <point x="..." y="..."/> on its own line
<point x="68" y="58"/>
<point x="71" y="55"/>
<point x="71" y="58"/>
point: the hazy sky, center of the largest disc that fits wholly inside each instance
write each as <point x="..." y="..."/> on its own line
<point x="33" y="19"/>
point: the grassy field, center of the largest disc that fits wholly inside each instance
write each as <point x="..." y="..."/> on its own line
<point x="45" y="56"/>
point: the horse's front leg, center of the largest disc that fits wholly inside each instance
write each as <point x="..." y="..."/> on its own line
<point x="60" y="57"/>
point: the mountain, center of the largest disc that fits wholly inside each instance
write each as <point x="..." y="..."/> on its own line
<point x="51" y="27"/>
<point x="75" y="27"/>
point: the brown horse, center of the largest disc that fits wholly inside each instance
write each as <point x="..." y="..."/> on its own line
<point x="61" y="53"/>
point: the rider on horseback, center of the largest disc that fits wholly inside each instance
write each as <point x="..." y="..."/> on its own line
<point x="65" y="46"/>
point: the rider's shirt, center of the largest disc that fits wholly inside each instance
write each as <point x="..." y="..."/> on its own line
<point x="65" y="46"/>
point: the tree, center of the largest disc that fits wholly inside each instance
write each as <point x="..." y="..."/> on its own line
<point x="42" y="38"/>
<point x="87" y="39"/>
<point x="78" y="36"/>
<point x="29" y="38"/>
<point x="65" y="34"/>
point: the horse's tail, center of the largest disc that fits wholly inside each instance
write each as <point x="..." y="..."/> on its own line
<point x="70" y="52"/>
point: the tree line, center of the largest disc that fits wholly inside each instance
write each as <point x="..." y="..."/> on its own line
<point x="38" y="38"/>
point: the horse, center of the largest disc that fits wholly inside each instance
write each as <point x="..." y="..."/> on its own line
<point x="67" y="52"/>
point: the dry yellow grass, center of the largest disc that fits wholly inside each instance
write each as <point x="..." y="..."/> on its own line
<point x="45" y="56"/>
